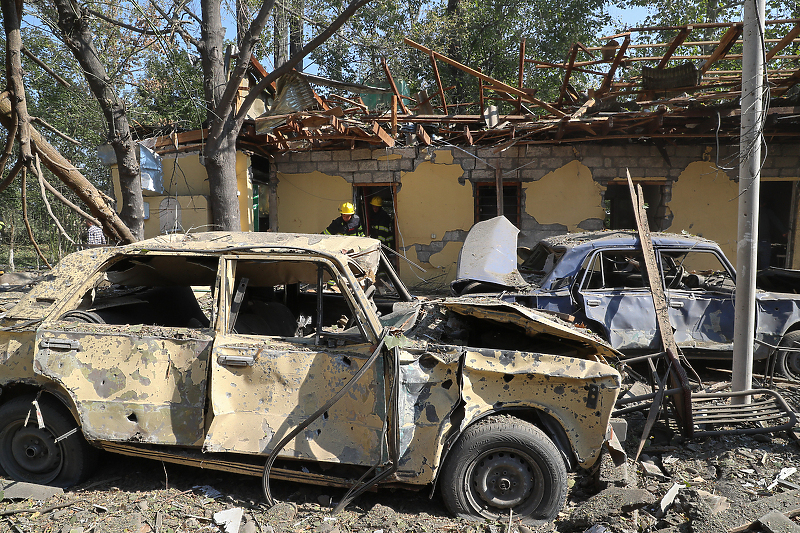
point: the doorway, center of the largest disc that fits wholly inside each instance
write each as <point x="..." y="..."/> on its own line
<point x="370" y="201"/>
<point x="774" y="223"/>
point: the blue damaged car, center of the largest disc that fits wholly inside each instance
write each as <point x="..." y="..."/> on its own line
<point x="599" y="278"/>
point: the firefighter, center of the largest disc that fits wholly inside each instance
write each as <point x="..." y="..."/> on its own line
<point x="381" y="225"/>
<point x="347" y="224"/>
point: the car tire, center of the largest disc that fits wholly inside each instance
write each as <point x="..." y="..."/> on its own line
<point x="31" y="454"/>
<point x="788" y="363"/>
<point x="503" y="466"/>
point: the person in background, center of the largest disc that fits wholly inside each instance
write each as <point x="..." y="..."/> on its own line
<point x="348" y="223"/>
<point x="381" y="225"/>
<point x="94" y="235"/>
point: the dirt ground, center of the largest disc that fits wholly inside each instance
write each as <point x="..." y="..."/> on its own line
<point x="723" y="484"/>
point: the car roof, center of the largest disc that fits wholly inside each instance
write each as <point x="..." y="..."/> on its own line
<point x="74" y="268"/>
<point x="623" y="238"/>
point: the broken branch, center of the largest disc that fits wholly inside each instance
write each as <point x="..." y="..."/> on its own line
<point x="44" y="67"/>
<point x="27" y="222"/>
<point x="40" y="177"/>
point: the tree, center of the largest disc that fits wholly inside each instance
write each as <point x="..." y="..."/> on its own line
<point x="77" y="36"/>
<point x="481" y="34"/>
<point x="224" y="123"/>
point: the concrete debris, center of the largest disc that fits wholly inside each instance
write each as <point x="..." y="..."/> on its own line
<point x="650" y="467"/>
<point x="17" y="490"/>
<point x="667" y="500"/>
<point x="777" y="522"/>
<point x="229" y="519"/>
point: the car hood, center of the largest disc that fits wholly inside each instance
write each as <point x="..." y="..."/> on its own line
<point x="489" y="254"/>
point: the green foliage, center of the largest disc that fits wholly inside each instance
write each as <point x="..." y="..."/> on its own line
<point x="481" y="34"/>
<point x="169" y="92"/>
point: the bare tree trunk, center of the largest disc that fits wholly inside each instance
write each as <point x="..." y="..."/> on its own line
<point x="77" y="36"/>
<point x="296" y="36"/>
<point x="220" y="94"/>
<point x="220" y="150"/>
<point x="281" y="36"/>
<point x="11" y="23"/>
<point x="70" y="175"/>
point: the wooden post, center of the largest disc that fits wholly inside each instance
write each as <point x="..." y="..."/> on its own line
<point x="498" y="178"/>
<point x="394" y="115"/>
<point x="521" y="73"/>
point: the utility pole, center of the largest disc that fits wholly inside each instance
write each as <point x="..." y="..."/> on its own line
<point x="749" y="187"/>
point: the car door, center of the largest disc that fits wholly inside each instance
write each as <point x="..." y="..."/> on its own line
<point x="282" y="350"/>
<point x="614" y="293"/>
<point x="699" y="289"/>
<point x="131" y="348"/>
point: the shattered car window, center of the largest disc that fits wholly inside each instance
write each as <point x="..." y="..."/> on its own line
<point x="695" y="270"/>
<point x="615" y="270"/>
<point x="541" y="261"/>
<point x="155" y="290"/>
<point x="280" y="299"/>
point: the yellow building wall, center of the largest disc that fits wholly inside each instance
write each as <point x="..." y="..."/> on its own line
<point x="307" y="203"/>
<point x="705" y="203"/>
<point x="195" y="215"/>
<point x="567" y="196"/>
<point x="431" y="202"/>
<point x="185" y="178"/>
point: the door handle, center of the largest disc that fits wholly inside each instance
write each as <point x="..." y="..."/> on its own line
<point x="50" y="343"/>
<point x="236" y="360"/>
<point x="592" y="303"/>
<point x="676" y="305"/>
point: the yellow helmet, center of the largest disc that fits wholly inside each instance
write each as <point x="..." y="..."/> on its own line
<point x="347" y="209"/>
<point x="377" y="201"/>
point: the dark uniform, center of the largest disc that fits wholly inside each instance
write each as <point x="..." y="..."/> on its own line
<point x="339" y="227"/>
<point x="381" y="227"/>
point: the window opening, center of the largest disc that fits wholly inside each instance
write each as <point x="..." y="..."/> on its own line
<point x="619" y="209"/>
<point x="486" y="201"/>
<point x="294" y="299"/>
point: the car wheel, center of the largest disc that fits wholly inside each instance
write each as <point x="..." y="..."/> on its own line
<point x="504" y="466"/>
<point x="41" y="455"/>
<point x="788" y="363"/>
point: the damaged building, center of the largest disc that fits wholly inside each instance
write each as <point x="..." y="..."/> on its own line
<point x="666" y="111"/>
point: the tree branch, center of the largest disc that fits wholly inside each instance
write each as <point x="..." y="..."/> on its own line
<point x="289" y="65"/>
<point x="64" y="136"/>
<point x="14" y="72"/>
<point x="251" y="36"/>
<point x="27" y="222"/>
<point x="69" y="204"/>
<point x="44" y="67"/>
<point x="174" y="24"/>
<point x="40" y="176"/>
<point x="11" y="175"/>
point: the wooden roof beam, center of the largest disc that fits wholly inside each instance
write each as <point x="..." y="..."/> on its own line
<point x="725" y="44"/>
<point x="521" y="73"/>
<point x="674" y="44"/>
<point x="614" y="65"/>
<point x="506" y="88"/>
<point x="393" y="86"/>
<point x="438" y="82"/>
<point x="573" y="54"/>
<point x="783" y="43"/>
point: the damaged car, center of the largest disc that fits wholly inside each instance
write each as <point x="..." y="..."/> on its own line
<point x="286" y="356"/>
<point x="599" y="280"/>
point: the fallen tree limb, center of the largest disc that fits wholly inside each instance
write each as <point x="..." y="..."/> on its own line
<point x="76" y="181"/>
<point x="40" y="177"/>
<point x="27" y="222"/>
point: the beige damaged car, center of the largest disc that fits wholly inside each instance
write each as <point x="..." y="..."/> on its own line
<point x="283" y="356"/>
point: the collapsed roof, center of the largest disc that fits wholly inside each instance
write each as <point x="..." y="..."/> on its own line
<point x="679" y="90"/>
